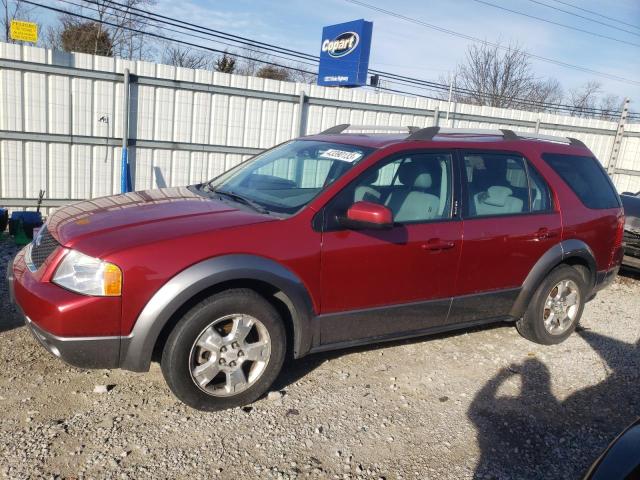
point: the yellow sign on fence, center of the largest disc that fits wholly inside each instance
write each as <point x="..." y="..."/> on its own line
<point x="24" y="31"/>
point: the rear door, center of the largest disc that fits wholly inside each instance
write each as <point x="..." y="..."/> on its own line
<point x="378" y="283"/>
<point x="509" y="222"/>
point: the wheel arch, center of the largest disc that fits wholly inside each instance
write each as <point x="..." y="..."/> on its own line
<point x="269" y="278"/>
<point x="573" y="252"/>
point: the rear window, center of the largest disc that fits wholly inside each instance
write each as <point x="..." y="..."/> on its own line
<point x="586" y="177"/>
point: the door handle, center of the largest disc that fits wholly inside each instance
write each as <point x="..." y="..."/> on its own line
<point x="544" y="234"/>
<point x="437" y="244"/>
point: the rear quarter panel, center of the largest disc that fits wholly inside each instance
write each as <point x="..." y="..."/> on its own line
<point x="595" y="227"/>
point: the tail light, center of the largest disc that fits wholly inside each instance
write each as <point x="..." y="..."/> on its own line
<point x="616" y="256"/>
<point x="619" y="232"/>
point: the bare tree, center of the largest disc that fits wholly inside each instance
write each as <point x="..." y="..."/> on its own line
<point x="500" y="76"/>
<point x="225" y="63"/>
<point x="273" y="72"/>
<point x="611" y="105"/>
<point x="84" y="37"/>
<point x="298" y="75"/>
<point x="251" y="62"/>
<point x="545" y="94"/>
<point x="584" y="99"/>
<point x="124" y="27"/>
<point x="186" y="57"/>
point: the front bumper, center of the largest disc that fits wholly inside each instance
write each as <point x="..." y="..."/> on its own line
<point x="82" y="352"/>
<point x="52" y="304"/>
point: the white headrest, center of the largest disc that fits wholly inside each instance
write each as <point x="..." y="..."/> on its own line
<point x="496" y="196"/>
<point x="423" y="180"/>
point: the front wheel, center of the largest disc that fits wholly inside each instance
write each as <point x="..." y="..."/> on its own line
<point x="225" y="352"/>
<point x="556" y="307"/>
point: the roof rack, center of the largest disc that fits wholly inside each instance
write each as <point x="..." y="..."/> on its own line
<point x="337" y="129"/>
<point x="429" y="133"/>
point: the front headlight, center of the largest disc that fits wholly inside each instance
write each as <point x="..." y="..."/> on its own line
<point x="89" y="276"/>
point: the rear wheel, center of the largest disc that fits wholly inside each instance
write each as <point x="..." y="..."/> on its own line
<point x="225" y="352"/>
<point x="556" y="307"/>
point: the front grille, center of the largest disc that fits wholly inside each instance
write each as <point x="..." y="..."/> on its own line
<point x="43" y="246"/>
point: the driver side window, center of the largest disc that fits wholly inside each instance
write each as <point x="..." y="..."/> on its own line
<point x="416" y="188"/>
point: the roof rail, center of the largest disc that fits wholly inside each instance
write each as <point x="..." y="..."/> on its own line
<point x="429" y="133"/>
<point x="337" y="129"/>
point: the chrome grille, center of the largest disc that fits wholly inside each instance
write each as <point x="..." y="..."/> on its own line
<point x="43" y="246"/>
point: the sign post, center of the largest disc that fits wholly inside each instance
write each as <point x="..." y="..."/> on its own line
<point x="23" y="31"/>
<point x="344" y="54"/>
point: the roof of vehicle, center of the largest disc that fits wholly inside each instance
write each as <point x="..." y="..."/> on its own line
<point x="436" y="134"/>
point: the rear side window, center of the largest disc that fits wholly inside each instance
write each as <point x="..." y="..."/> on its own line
<point x="496" y="184"/>
<point x="586" y="177"/>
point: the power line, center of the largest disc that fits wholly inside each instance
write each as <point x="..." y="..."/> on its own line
<point x="495" y="45"/>
<point x="248" y="48"/>
<point x="162" y="37"/>
<point x="546" y="20"/>
<point x="210" y="31"/>
<point x="584" y="17"/>
<point x="596" y="14"/>
<point x="406" y="81"/>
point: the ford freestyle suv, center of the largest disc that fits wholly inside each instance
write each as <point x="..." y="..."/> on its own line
<point x="324" y="242"/>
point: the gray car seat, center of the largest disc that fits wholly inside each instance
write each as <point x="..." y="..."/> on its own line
<point x="410" y="201"/>
<point x="497" y="200"/>
<point x="367" y="192"/>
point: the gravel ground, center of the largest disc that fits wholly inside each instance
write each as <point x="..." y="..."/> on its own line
<point x="479" y="404"/>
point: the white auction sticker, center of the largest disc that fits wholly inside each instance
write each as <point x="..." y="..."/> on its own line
<point x="343" y="155"/>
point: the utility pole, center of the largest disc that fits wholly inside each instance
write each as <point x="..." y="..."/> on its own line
<point x="125" y="181"/>
<point x="617" y="142"/>
<point x="450" y="98"/>
<point x="6" y="21"/>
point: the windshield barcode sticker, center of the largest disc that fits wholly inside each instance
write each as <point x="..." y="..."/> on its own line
<point x="343" y="155"/>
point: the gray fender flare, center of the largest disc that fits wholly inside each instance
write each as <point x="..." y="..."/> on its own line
<point x="564" y="250"/>
<point x="136" y="349"/>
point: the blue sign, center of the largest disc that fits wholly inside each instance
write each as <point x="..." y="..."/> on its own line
<point x="344" y="54"/>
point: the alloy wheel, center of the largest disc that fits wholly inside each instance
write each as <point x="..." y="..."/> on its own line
<point x="230" y="355"/>
<point x="561" y="307"/>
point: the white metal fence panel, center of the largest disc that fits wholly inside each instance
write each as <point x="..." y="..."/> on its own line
<point x="61" y="123"/>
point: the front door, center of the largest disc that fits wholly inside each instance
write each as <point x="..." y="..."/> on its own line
<point x="378" y="283"/>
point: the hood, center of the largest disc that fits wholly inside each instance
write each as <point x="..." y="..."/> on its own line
<point x="150" y="215"/>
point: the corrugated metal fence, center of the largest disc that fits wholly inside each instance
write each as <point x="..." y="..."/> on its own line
<point x="61" y="123"/>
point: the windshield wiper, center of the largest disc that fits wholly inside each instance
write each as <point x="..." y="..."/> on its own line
<point x="244" y="200"/>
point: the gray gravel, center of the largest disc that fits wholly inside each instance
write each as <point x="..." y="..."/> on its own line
<point x="479" y="404"/>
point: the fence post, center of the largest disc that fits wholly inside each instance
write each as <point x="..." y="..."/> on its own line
<point x="617" y="142"/>
<point x="302" y="114"/>
<point x="538" y="125"/>
<point x="436" y="116"/>
<point x="125" y="180"/>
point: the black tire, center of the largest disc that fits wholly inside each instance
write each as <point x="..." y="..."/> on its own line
<point x="176" y="355"/>
<point x="531" y="326"/>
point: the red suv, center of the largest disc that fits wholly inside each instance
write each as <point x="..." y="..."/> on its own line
<point x="324" y="242"/>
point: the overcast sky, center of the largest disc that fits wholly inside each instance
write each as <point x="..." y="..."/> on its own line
<point x="404" y="47"/>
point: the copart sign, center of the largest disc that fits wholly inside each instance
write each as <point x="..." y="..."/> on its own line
<point x="344" y="54"/>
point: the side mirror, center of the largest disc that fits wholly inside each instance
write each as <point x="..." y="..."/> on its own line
<point x="363" y="215"/>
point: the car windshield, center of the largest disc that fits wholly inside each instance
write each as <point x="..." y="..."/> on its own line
<point x="286" y="178"/>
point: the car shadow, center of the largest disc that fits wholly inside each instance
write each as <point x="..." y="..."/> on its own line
<point x="538" y="435"/>
<point x="9" y="318"/>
